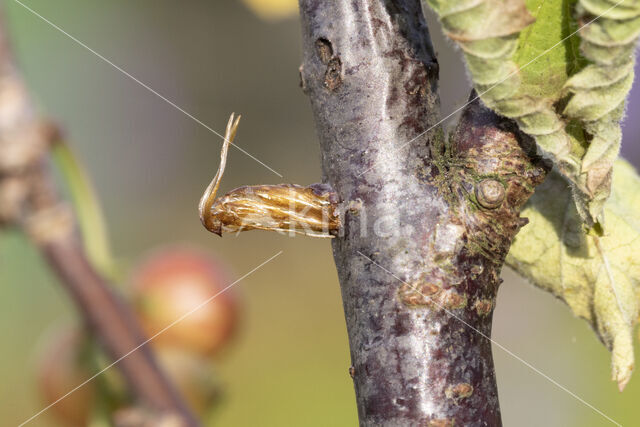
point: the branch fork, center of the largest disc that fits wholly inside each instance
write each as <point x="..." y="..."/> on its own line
<point x="425" y="221"/>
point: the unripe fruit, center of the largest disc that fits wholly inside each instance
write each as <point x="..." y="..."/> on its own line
<point x="60" y="370"/>
<point x="179" y="294"/>
<point x="63" y="367"/>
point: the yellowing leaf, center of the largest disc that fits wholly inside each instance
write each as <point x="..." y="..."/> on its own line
<point x="564" y="87"/>
<point x="272" y="10"/>
<point x="598" y="277"/>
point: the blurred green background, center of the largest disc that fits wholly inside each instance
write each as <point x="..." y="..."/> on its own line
<point x="150" y="163"/>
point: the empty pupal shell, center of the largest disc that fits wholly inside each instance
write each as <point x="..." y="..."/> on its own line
<point x="310" y="211"/>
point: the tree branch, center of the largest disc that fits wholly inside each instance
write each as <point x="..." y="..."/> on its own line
<point x="28" y="199"/>
<point x="427" y="223"/>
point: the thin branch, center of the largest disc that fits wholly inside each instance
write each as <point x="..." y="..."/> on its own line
<point x="28" y="198"/>
<point x="115" y="328"/>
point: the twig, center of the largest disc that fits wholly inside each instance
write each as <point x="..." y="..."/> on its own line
<point x="28" y="199"/>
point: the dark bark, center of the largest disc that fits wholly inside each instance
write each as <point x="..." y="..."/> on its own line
<point x="426" y="223"/>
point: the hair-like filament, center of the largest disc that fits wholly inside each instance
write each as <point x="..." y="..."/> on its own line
<point x="208" y="198"/>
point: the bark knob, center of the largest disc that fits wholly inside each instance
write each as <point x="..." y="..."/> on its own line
<point x="490" y="193"/>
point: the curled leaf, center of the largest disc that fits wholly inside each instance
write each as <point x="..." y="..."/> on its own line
<point x="598" y="277"/>
<point x="563" y="78"/>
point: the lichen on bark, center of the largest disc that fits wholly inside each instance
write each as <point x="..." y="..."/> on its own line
<point x="427" y="222"/>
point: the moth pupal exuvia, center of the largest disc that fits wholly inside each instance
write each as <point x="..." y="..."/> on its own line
<point x="285" y="207"/>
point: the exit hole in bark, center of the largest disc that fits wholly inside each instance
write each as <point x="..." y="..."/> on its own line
<point x="333" y="78"/>
<point x="333" y="74"/>
<point x="324" y="50"/>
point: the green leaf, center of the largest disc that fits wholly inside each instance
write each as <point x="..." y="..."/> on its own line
<point x="564" y="87"/>
<point x="87" y="208"/>
<point x="544" y="59"/>
<point x="597" y="276"/>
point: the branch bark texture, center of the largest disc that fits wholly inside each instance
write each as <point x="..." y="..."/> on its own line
<point x="427" y="221"/>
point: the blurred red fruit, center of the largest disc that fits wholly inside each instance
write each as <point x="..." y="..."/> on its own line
<point x="60" y="370"/>
<point x="170" y="290"/>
